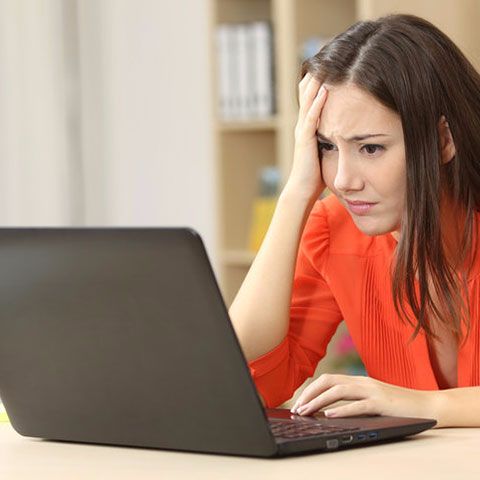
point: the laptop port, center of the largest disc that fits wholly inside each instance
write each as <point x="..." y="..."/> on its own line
<point x="332" y="443"/>
<point x="347" y="438"/>
<point x="372" y="434"/>
<point x="361" y="436"/>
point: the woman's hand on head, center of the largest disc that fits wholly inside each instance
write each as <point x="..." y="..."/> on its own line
<point x="306" y="175"/>
<point x="368" y="397"/>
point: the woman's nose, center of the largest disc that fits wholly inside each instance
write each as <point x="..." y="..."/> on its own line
<point x="347" y="177"/>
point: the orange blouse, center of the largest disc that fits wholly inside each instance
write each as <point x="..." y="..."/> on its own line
<point x="343" y="274"/>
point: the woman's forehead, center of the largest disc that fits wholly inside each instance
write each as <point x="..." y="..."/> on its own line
<point x="350" y="111"/>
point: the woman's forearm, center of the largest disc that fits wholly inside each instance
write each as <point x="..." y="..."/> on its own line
<point x="458" y="407"/>
<point x="260" y="310"/>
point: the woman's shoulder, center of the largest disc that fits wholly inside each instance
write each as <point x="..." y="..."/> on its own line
<point x="330" y="218"/>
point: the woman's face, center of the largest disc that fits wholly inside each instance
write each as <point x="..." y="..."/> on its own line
<point x="371" y="169"/>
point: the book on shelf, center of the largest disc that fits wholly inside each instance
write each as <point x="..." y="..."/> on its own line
<point x="245" y="71"/>
<point x="264" y="206"/>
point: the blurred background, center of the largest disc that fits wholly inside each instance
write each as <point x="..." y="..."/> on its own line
<point x="170" y="113"/>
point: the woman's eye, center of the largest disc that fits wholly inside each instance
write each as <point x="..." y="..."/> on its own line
<point x="372" y="149"/>
<point x="327" y="147"/>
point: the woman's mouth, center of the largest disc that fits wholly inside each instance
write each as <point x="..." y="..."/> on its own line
<point x="359" y="207"/>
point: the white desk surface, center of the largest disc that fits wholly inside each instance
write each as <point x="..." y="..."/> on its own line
<point x="452" y="454"/>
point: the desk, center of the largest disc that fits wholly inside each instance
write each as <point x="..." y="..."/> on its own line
<point x="450" y="454"/>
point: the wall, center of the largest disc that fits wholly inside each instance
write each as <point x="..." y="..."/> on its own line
<point x="458" y="19"/>
<point x="105" y="116"/>
<point x="146" y="117"/>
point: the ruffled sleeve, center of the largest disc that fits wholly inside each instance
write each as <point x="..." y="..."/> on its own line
<point x="314" y="318"/>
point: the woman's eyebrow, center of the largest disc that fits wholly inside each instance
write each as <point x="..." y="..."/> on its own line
<point x="355" y="138"/>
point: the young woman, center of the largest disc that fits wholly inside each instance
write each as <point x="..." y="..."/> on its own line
<point x="389" y="121"/>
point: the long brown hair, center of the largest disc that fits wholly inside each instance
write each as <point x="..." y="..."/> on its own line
<point x="415" y="70"/>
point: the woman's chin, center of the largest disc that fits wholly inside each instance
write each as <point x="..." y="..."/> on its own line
<point x="372" y="227"/>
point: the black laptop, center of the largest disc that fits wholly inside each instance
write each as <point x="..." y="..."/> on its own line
<point x="120" y="336"/>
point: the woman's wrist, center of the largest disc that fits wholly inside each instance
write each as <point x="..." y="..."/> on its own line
<point x="437" y="407"/>
<point x="297" y="194"/>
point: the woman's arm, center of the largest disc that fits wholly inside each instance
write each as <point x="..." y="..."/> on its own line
<point x="260" y="310"/>
<point x="458" y="407"/>
<point x="455" y="407"/>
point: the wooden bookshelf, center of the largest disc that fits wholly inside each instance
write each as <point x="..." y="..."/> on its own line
<point x="244" y="147"/>
<point x="253" y="125"/>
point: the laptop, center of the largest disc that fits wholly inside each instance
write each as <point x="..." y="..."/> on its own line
<point x="121" y="336"/>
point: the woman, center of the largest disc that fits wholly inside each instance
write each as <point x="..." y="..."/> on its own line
<point x="389" y="121"/>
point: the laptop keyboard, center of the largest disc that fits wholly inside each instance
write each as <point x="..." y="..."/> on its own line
<point x="307" y="429"/>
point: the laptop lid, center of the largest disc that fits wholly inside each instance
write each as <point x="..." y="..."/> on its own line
<point x="121" y="336"/>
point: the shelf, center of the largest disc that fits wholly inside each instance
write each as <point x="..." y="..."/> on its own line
<point x="242" y="258"/>
<point x="248" y="125"/>
<point x="243" y="147"/>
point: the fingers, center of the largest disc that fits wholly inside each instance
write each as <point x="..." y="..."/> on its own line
<point x="332" y="395"/>
<point x="324" y="383"/>
<point x="313" y="114"/>
<point x="310" y="108"/>
<point x="309" y="93"/>
<point x="362" y="407"/>
<point x="303" y="83"/>
<point x="321" y="384"/>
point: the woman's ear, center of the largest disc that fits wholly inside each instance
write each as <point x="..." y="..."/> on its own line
<point x="447" y="147"/>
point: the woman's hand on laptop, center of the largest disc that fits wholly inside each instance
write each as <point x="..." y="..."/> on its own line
<point x="369" y="397"/>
